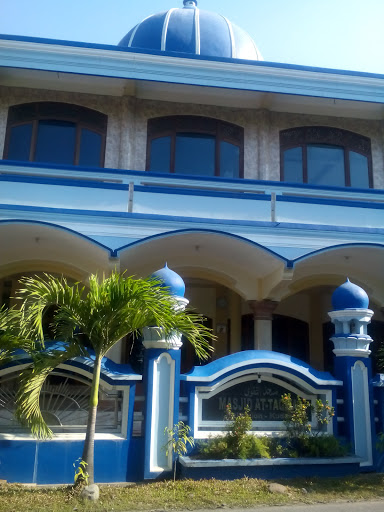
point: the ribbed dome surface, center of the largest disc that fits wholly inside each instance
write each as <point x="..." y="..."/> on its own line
<point x="192" y="31"/>
<point x="170" y="280"/>
<point x="349" y="296"/>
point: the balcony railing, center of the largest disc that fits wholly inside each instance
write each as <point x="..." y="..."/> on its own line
<point x="117" y="192"/>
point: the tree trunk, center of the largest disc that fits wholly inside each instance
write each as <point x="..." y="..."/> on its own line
<point x="89" y="443"/>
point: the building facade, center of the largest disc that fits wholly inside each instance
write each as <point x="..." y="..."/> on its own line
<point x="261" y="184"/>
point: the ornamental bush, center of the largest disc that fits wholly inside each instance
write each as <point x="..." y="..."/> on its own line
<point x="236" y="443"/>
<point x="301" y="440"/>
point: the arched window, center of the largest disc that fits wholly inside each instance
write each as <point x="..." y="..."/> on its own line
<point x="321" y="155"/>
<point x="195" y="146"/>
<point x="57" y="133"/>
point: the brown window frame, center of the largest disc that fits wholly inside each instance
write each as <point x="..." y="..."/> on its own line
<point x="170" y="126"/>
<point x="33" y="113"/>
<point x="311" y="135"/>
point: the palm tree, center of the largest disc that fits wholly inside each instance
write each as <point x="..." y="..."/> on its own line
<point x="108" y="310"/>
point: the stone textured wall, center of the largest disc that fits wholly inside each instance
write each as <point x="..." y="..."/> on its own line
<point x="127" y="128"/>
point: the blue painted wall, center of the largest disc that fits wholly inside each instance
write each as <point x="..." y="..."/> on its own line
<point x="51" y="462"/>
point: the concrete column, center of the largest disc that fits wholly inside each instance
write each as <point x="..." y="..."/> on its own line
<point x="127" y="133"/>
<point x="235" y="316"/>
<point x="221" y="344"/>
<point x="316" y="352"/>
<point x="264" y="145"/>
<point x="3" y="125"/>
<point x="251" y="146"/>
<point x="262" y="314"/>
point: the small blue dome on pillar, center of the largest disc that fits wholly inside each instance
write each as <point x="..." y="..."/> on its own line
<point x="171" y="280"/>
<point x="349" y="296"/>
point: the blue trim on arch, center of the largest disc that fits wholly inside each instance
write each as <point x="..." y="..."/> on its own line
<point x="334" y="248"/>
<point x="232" y="364"/>
<point x="116" y="252"/>
<point x="58" y="227"/>
<point x="191" y="220"/>
<point x="111" y="372"/>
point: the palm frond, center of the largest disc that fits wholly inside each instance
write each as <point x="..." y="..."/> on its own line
<point x="28" y="411"/>
<point x="40" y="293"/>
<point x="10" y="338"/>
<point x="112" y="308"/>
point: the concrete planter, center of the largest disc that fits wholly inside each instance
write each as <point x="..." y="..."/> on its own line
<point x="268" y="469"/>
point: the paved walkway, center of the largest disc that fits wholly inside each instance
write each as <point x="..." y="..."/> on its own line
<point x="361" y="506"/>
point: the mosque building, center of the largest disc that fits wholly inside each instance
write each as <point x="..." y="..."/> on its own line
<point x="259" y="183"/>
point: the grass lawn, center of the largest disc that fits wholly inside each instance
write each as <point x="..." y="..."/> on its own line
<point x="191" y="495"/>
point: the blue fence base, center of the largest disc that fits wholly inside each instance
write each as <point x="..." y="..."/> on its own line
<point x="267" y="469"/>
<point x="51" y="462"/>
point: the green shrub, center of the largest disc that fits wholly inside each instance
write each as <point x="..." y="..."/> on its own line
<point x="236" y="443"/>
<point x="322" y="446"/>
<point x="215" y="448"/>
<point x="256" y="447"/>
<point x="221" y="447"/>
<point x="238" y="428"/>
<point x="301" y="440"/>
<point x="298" y="414"/>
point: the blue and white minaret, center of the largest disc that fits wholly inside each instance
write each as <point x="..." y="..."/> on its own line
<point x="162" y="378"/>
<point x="351" y="315"/>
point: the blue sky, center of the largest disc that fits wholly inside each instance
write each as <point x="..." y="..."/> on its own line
<point x="342" y="34"/>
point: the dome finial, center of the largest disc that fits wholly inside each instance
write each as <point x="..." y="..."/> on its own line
<point x="190" y="3"/>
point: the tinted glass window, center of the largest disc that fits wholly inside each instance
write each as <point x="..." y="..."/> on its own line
<point x="293" y="165"/>
<point x="323" y="155"/>
<point x="359" y="170"/>
<point x="160" y="158"/>
<point x="325" y="165"/>
<point x="195" y="154"/>
<point x="59" y="133"/>
<point x="56" y="142"/>
<point x="20" y="142"/>
<point x="229" y="160"/>
<point x="195" y="145"/>
<point x="90" y="148"/>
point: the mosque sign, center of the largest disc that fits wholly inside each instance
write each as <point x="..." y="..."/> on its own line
<point x="262" y="398"/>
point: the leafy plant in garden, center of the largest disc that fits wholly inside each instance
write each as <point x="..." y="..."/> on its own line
<point x="237" y="443"/>
<point x="301" y="439"/>
<point x="81" y="474"/>
<point x="238" y="429"/>
<point x="178" y="441"/>
<point x="298" y="415"/>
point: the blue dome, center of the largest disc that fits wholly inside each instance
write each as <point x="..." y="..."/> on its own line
<point x="171" y="280"/>
<point x="349" y="296"/>
<point x="192" y="31"/>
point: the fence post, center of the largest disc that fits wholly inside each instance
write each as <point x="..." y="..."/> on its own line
<point x="353" y="366"/>
<point x="162" y="384"/>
